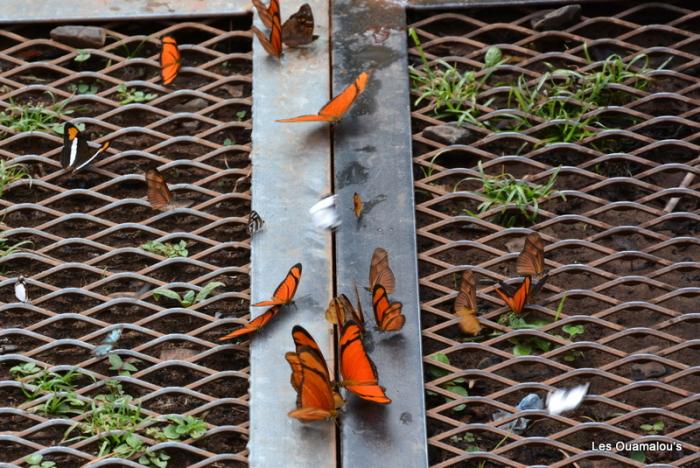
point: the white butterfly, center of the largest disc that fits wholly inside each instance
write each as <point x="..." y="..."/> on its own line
<point x="21" y="290"/>
<point x="560" y="401"/>
<point x="325" y="214"/>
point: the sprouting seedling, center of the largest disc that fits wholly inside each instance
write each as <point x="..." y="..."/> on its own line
<point x="653" y="428"/>
<point x="182" y="427"/>
<point x="122" y="367"/>
<point x="456" y="386"/>
<point x="82" y="56"/>
<point x="130" y="95"/>
<point x="190" y="297"/>
<point x="36" y="460"/>
<point x="167" y="249"/>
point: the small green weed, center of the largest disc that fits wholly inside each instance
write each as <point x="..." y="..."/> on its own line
<point x="468" y="439"/>
<point x="180" y="428"/>
<point x="116" y="363"/>
<point x="82" y="56"/>
<point x="84" y="88"/>
<point x="190" y="297"/>
<point x="9" y="173"/>
<point x="653" y="428"/>
<point x="130" y="95"/>
<point x="166" y="249"/>
<point x="457" y="386"/>
<point x="38" y="382"/>
<point x="34" y="117"/>
<point x="36" y="460"/>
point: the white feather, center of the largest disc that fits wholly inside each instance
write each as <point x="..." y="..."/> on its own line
<point x="560" y="401"/>
<point x="325" y="214"/>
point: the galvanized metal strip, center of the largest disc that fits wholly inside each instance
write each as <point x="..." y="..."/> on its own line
<point x="291" y="170"/>
<point x="372" y="156"/>
<point x="35" y="11"/>
<point x="450" y="4"/>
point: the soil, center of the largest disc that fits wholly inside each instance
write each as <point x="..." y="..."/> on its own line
<point x="87" y="209"/>
<point x="629" y="273"/>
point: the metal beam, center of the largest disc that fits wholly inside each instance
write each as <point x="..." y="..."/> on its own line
<point x="372" y="156"/>
<point x="291" y="170"/>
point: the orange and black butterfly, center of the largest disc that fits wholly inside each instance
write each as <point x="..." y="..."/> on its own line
<point x="340" y="310"/>
<point x="284" y="294"/>
<point x="387" y="314"/>
<point x="380" y="272"/>
<point x="531" y="259"/>
<point x="169" y="60"/>
<point x="76" y="153"/>
<point x="316" y="399"/>
<point x="272" y="44"/>
<point x="358" y="371"/>
<point x="465" y="304"/>
<point x="254" y="325"/>
<point x="515" y="299"/>
<point x="357" y="205"/>
<point x="338" y="106"/>
<point x="159" y="195"/>
<point x="298" y="30"/>
<point x="267" y="12"/>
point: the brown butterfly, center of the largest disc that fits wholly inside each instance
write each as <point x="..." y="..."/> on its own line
<point x="340" y="310"/>
<point x="531" y="259"/>
<point x="298" y="30"/>
<point x="159" y="195"/>
<point x="380" y="271"/>
<point x="465" y="304"/>
<point x="357" y="205"/>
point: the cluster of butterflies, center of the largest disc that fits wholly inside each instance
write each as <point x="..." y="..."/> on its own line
<point x="317" y="395"/>
<point x="530" y="265"/>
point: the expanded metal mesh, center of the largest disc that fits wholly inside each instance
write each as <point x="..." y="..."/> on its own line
<point x="623" y="246"/>
<point x="84" y="266"/>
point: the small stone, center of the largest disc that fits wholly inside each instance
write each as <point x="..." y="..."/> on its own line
<point x="177" y="354"/>
<point x="450" y="134"/>
<point x="553" y="20"/>
<point x="235" y="91"/>
<point x="648" y="370"/>
<point x="193" y="105"/>
<point x="515" y="245"/>
<point x="87" y="37"/>
<point x="191" y="126"/>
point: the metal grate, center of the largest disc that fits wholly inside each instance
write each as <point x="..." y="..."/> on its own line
<point x="84" y="265"/>
<point x="623" y="247"/>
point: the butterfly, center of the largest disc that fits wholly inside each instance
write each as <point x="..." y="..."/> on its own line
<point x="169" y="60"/>
<point x="357" y="205"/>
<point x="159" y="195"/>
<point x="387" y="314"/>
<point x="21" y="290"/>
<point x="560" y="401"/>
<point x="316" y="399"/>
<point x="272" y="44"/>
<point x="324" y="213"/>
<point x="465" y="304"/>
<point x="380" y="271"/>
<point x="76" y="153"/>
<point x="358" y="371"/>
<point x="516" y="299"/>
<point x="338" y="106"/>
<point x="531" y="258"/>
<point x="108" y="343"/>
<point x="298" y="30"/>
<point x="255" y="223"/>
<point x="284" y="294"/>
<point x="340" y="310"/>
<point x="254" y="325"/>
<point x="267" y="12"/>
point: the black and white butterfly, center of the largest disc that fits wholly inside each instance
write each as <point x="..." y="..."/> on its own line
<point x="76" y="152"/>
<point x="255" y="222"/>
<point x="108" y="343"/>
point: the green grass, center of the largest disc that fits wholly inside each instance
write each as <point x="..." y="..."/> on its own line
<point x="166" y="249"/>
<point x="34" y="117"/>
<point x="38" y="382"/>
<point x="9" y="173"/>
<point x="130" y="95"/>
<point x="7" y="249"/>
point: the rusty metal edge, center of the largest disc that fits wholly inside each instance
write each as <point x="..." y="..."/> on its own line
<point x="39" y="11"/>
<point x="372" y="156"/>
<point x="291" y="170"/>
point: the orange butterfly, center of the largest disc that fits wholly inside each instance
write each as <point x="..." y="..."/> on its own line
<point x="516" y="300"/>
<point x="298" y="30"/>
<point x="316" y="399"/>
<point x="169" y="60"/>
<point x="465" y="304"/>
<point x="531" y="259"/>
<point x="380" y="271"/>
<point x="358" y="371"/>
<point x="387" y="314"/>
<point x="273" y="44"/>
<point x="159" y="195"/>
<point x="284" y="294"/>
<point x="266" y="13"/>
<point x="254" y="325"/>
<point x="357" y="205"/>
<point x="338" y="106"/>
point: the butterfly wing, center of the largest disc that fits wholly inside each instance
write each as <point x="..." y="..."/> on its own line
<point x="159" y="195"/>
<point x="298" y="30"/>
<point x="295" y="365"/>
<point x="69" y="153"/>
<point x="518" y="300"/>
<point x="338" y="106"/>
<point x="531" y="259"/>
<point x="357" y="205"/>
<point x="169" y="60"/>
<point x="284" y="294"/>
<point x="315" y="398"/>
<point x="254" y="325"/>
<point x="358" y="371"/>
<point x="255" y="223"/>
<point x="387" y="314"/>
<point x="380" y="272"/>
<point x="267" y="12"/>
<point x="273" y="44"/>
<point x="101" y="150"/>
<point x="465" y="304"/>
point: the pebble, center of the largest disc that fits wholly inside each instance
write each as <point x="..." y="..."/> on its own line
<point x="193" y="105"/>
<point x="553" y="20"/>
<point x="191" y="126"/>
<point x="450" y="134"/>
<point x="177" y="354"/>
<point x="648" y="370"/>
<point x="86" y="37"/>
